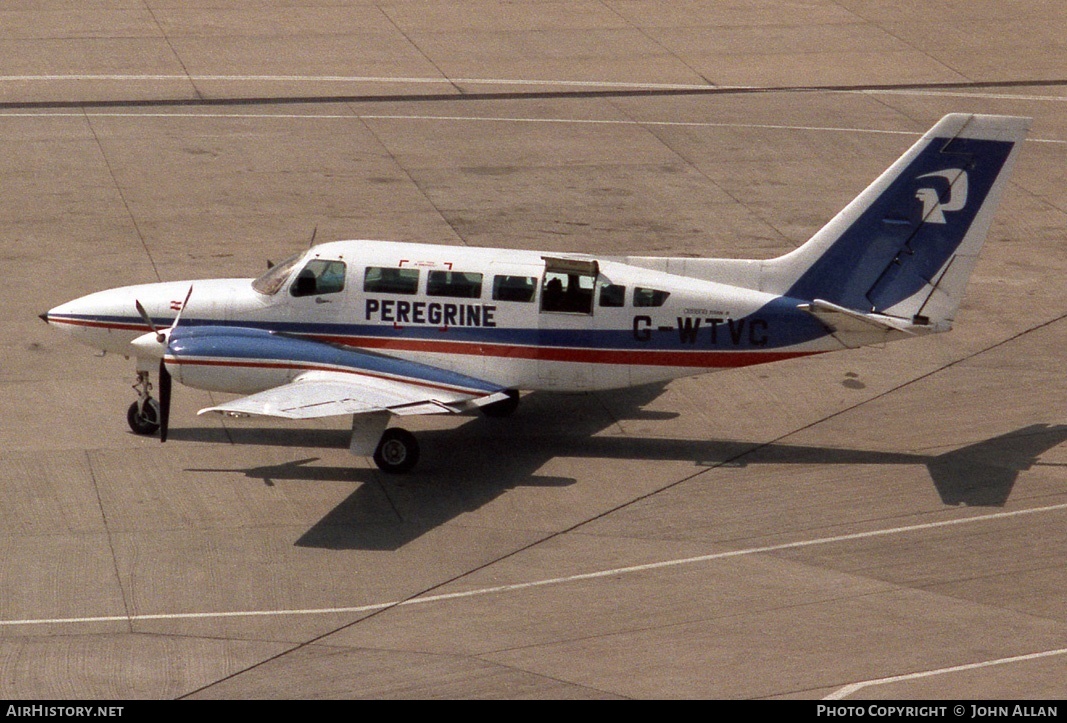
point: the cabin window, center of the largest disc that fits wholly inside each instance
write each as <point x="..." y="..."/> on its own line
<point x="649" y="297"/>
<point x="319" y="276"/>
<point x="514" y="288"/>
<point x="458" y="284"/>
<point x="612" y="295"/>
<point x="390" y="280"/>
<point x="275" y="278"/>
<point x="567" y="292"/>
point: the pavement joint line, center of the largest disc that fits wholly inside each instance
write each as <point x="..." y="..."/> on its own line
<point x="947" y="88"/>
<point x="580" y="577"/>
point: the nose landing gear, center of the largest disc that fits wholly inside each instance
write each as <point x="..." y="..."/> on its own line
<point x="144" y="416"/>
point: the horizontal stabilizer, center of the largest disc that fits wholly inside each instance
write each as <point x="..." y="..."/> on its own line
<point x="856" y="328"/>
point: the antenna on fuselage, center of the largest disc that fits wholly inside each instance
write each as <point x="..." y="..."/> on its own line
<point x="314" y="233"/>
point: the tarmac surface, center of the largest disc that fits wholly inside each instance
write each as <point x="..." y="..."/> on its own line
<point x="880" y="523"/>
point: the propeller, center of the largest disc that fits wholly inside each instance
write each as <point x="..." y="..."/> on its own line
<point x="160" y="336"/>
<point x="165" y="382"/>
<point x="164" y="400"/>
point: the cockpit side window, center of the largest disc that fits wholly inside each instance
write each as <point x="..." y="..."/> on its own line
<point x="319" y="276"/>
<point x="274" y="279"/>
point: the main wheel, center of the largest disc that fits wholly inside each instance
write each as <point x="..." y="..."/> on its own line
<point x="144" y="419"/>
<point x="505" y="407"/>
<point x="397" y="452"/>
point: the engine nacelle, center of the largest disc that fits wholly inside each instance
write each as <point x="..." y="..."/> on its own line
<point x="240" y="360"/>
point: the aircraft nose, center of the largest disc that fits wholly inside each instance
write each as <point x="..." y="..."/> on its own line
<point x="98" y="320"/>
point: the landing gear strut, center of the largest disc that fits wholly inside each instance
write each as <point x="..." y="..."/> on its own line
<point x="505" y="407"/>
<point x="144" y="415"/>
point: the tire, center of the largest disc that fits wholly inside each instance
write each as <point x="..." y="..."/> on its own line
<point x="397" y="452"/>
<point x="503" y="408"/>
<point x="144" y="421"/>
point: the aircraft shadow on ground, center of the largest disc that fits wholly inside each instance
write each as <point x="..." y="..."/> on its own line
<point x="469" y="466"/>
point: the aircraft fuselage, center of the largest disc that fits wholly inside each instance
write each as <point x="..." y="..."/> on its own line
<point x="520" y="319"/>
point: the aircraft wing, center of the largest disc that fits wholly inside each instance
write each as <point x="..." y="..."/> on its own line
<point x="327" y="393"/>
<point x="323" y="380"/>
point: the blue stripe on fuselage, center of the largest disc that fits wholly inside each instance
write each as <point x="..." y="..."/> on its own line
<point x="224" y="342"/>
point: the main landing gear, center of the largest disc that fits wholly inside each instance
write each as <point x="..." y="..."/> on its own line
<point x="397" y="451"/>
<point x="144" y="416"/>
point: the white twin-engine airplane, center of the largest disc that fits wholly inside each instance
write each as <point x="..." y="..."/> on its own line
<point x="376" y="329"/>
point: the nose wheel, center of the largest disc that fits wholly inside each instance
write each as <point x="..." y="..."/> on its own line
<point x="144" y="416"/>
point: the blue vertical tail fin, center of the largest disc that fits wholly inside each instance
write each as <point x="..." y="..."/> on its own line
<point x="905" y="247"/>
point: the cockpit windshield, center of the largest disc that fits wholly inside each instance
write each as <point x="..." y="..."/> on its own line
<point x="270" y="282"/>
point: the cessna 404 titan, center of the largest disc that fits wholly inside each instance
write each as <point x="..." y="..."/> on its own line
<point x="376" y="329"/>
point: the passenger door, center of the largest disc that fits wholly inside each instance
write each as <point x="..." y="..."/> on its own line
<point x="566" y="324"/>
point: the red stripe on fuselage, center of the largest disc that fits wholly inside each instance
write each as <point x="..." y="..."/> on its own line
<point x="99" y="324"/>
<point x="637" y="357"/>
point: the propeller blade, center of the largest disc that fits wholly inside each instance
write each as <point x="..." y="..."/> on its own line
<point x="164" y="400"/>
<point x="148" y="320"/>
<point x="184" y="304"/>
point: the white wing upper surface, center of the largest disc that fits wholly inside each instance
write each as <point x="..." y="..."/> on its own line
<point x="326" y="394"/>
